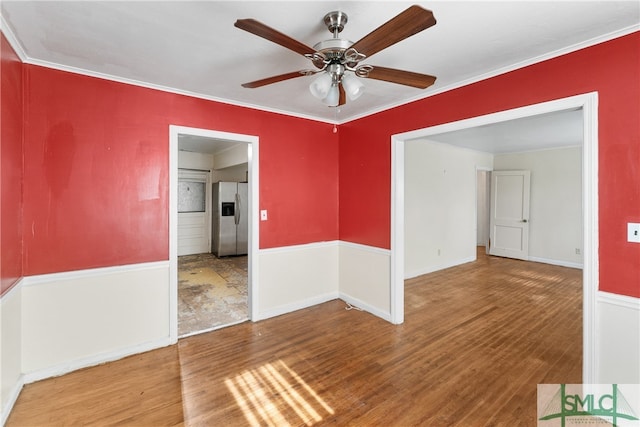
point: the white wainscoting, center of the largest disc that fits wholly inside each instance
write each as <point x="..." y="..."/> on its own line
<point x="365" y="278"/>
<point x="296" y="277"/>
<point x="82" y="318"/>
<point x="617" y="339"/>
<point x="11" y="349"/>
<point x="53" y="324"/>
<point x="438" y="267"/>
<point x="577" y="265"/>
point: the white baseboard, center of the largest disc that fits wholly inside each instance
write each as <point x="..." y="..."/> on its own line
<point x="385" y="315"/>
<point x="74" y="365"/>
<point x="434" y="268"/>
<point x="298" y="305"/>
<point x="556" y="262"/>
<point x="13" y="397"/>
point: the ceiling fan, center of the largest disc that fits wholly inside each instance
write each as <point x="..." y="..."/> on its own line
<point x="338" y="60"/>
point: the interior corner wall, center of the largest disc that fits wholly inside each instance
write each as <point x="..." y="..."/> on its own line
<point x="190" y="160"/>
<point x="231" y="157"/>
<point x="11" y="167"/>
<point x="482" y="206"/>
<point x="440" y="205"/>
<point x="364" y="272"/>
<point x="96" y="171"/>
<point x="237" y="173"/>
<point x="555" y="217"/>
<point x="610" y="68"/>
<point x="11" y="272"/>
<point x="296" y="277"/>
<point x="96" y="211"/>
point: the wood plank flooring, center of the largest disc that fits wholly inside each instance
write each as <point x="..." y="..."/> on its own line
<point x="476" y="341"/>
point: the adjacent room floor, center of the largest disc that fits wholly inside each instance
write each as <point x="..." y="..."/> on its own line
<point x="476" y="341"/>
<point x="212" y="292"/>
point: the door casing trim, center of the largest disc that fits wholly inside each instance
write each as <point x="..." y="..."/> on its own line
<point x="254" y="230"/>
<point x="588" y="103"/>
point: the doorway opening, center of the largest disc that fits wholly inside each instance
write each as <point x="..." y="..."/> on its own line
<point x="211" y="289"/>
<point x="587" y="104"/>
<point x="483" y="199"/>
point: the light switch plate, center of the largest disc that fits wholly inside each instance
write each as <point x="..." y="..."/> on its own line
<point x="263" y="215"/>
<point x="633" y="232"/>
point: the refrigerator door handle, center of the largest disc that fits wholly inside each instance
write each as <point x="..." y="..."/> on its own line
<point x="237" y="212"/>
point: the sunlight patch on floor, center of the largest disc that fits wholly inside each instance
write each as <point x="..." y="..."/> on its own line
<point x="273" y="394"/>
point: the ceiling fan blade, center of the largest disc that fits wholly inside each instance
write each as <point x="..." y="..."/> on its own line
<point x="266" y="32"/>
<point x="276" y="79"/>
<point x="343" y="96"/>
<point x="407" y="78"/>
<point x="410" y="22"/>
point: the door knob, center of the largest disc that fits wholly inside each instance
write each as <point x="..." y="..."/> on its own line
<point x="524" y="220"/>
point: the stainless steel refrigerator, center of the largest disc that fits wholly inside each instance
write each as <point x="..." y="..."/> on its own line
<point x="230" y="218"/>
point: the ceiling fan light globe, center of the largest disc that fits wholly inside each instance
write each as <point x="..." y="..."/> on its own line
<point x="321" y="86"/>
<point x="333" y="97"/>
<point x="353" y="87"/>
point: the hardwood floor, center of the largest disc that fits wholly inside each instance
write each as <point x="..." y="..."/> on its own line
<point x="476" y="341"/>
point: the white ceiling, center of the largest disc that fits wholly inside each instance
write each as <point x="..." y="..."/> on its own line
<point x="541" y="132"/>
<point x="202" y="144"/>
<point x="193" y="47"/>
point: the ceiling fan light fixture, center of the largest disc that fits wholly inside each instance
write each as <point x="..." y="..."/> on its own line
<point x="352" y="86"/>
<point x="333" y="97"/>
<point x="332" y="58"/>
<point x="321" y="86"/>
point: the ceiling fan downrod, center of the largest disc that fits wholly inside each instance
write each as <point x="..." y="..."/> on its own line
<point x="337" y="52"/>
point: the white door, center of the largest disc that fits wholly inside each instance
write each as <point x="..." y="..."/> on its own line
<point x="194" y="207"/>
<point x="510" y="214"/>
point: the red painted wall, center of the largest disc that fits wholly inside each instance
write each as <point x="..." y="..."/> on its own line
<point x="11" y="104"/>
<point x="612" y="69"/>
<point x="97" y="176"/>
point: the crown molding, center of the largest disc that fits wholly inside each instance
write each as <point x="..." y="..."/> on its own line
<point x="12" y="39"/>
<point x="6" y="29"/>
<point x="498" y="71"/>
<point x="168" y="89"/>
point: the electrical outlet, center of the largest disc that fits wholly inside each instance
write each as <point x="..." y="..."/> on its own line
<point x="633" y="232"/>
<point x="577" y="251"/>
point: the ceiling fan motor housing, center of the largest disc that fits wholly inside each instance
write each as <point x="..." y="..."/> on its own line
<point x="334" y="48"/>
